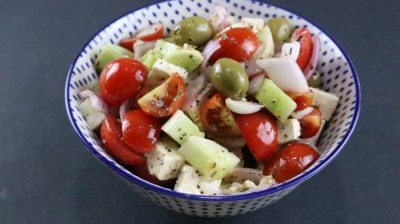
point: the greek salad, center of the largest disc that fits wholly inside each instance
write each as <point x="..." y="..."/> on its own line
<point x="218" y="106"/>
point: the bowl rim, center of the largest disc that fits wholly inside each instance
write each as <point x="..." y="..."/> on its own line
<point x="238" y="197"/>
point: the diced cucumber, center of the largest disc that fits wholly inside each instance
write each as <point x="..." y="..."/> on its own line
<point x="162" y="70"/>
<point x="110" y="52"/>
<point x="188" y="181"/>
<point x="164" y="161"/>
<point x="185" y="58"/>
<point x="180" y="128"/>
<point x="208" y="157"/>
<point x="275" y="100"/>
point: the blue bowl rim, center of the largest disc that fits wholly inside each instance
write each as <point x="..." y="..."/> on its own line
<point x="245" y="196"/>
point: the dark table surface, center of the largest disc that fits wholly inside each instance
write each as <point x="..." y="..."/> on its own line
<point x="47" y="176"/>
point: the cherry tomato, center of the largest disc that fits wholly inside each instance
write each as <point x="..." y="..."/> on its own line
<point x="290" y="161"/>
<point x="140" y="130"/>
<point x="303" y="100"/>
<point x="216" y="118"/>
<point x="128" y="43"/>
<point x="303" y="36"/>
<point x="151" y="33"/>
<point x="310" y="124"/>
<point x="237" y="43"/>
<point x="121" y="79"/>
<point x="111" y="135"/>
<point x="166" y="99"/>
<point x="260" y="132"/>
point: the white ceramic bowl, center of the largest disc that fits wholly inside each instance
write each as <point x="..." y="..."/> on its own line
<point x="338" y="75"/>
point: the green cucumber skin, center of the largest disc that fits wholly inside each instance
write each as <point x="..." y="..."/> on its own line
<point x="212" y="160"/>
<point x="111" y="52"/>
<point x="275" y="100"/>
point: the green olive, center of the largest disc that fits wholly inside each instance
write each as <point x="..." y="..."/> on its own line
<point x="229" y="77"/>
<point x="194" y="30"/>
<point x="315" y="80"/>
<point x="280" y="29"/>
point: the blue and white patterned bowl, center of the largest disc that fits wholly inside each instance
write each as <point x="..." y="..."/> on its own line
<point x="338" y="75"/>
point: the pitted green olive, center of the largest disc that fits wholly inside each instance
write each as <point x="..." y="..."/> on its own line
<point x="280" y="29"/>
<point x="194" y="30"/>
<point x="229" y="77"/>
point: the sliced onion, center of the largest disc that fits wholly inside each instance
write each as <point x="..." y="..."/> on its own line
<point x="140" y="48"/>
<point x="242" y="107"/>
<point x="123" y="109"/>
<point x="150" y="30"/>
<point x="218" y="18"/>
<point x="285" y="73"/>
<point x="211" y="47"/>
<point x="96" y="102"/>
<point x="231" y="143"/>
<point x="252" y="68"/>
<point x="193" y="89"/>
<point x="312" y="65"/>
<point x="255" y="84"/>
<point x="243" y="174"/>
<point x="291" y="49"/>
<point x="300" y="114"/>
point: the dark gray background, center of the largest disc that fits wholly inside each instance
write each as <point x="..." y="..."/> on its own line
<point x="47" y="176"/>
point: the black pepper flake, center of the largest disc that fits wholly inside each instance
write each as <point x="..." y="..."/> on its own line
<point x="191" y="56"/>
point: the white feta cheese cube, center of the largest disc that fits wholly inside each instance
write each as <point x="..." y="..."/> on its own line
<point x="255" y="24"/>
<point x="210" y="187"/>
<point x="188" y="181"/>
<point x="164" y="161"/>
<point x="162" y="70"/>
<point x="326" y="102"/>
<point x="94" y="118"/>
<point x="288" y="131"/>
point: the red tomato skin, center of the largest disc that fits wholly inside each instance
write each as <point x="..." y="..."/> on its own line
<point x="303" y="36"/>
<point x="290" y="161"/>
<point x="121" y="79"/>
<point x="237" y="43"/>
<point x="310" y="124"/>
<point x="303" y="100"/>
<point x="111" y="135"/>
<point x="260" y="132"/>
<point x="128" y="43"/>
<point x="140" y="131"/>
<point x="169" y="102"/>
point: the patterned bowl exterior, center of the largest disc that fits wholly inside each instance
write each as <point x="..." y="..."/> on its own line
<point x="338" y="75"/>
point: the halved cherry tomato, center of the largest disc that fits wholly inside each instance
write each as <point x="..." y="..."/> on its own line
<point x="166" y="99"/>
<point x="111" y="137"/>
<point x="151" y="33"/>
<point x="310" y="124"/>
<point x="303" y="36"/>
<point x="290" y="161"/>
<point x="140" y="130"/>
<point x="260" y="132"/>
<point x="121" y="79"/>
<point x="216" y="118"/>
<point x="237" y="43"/>
<point x="303" y="100"/>
<point x="128" y="43"/>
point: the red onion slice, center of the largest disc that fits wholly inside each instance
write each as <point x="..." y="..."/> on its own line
<point x="123" y="109"/>
<point x="312" y="65"/>
<point x="151" y="30"/>
<point x="255" y="84"/>
<point x="96" y="102"/>
<point x="211" y="47"/>
<point x="140" y="48"/>
<point x="252" y="68"/>
<point x="218" y="18"/>
<point x="193" y="89"/>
